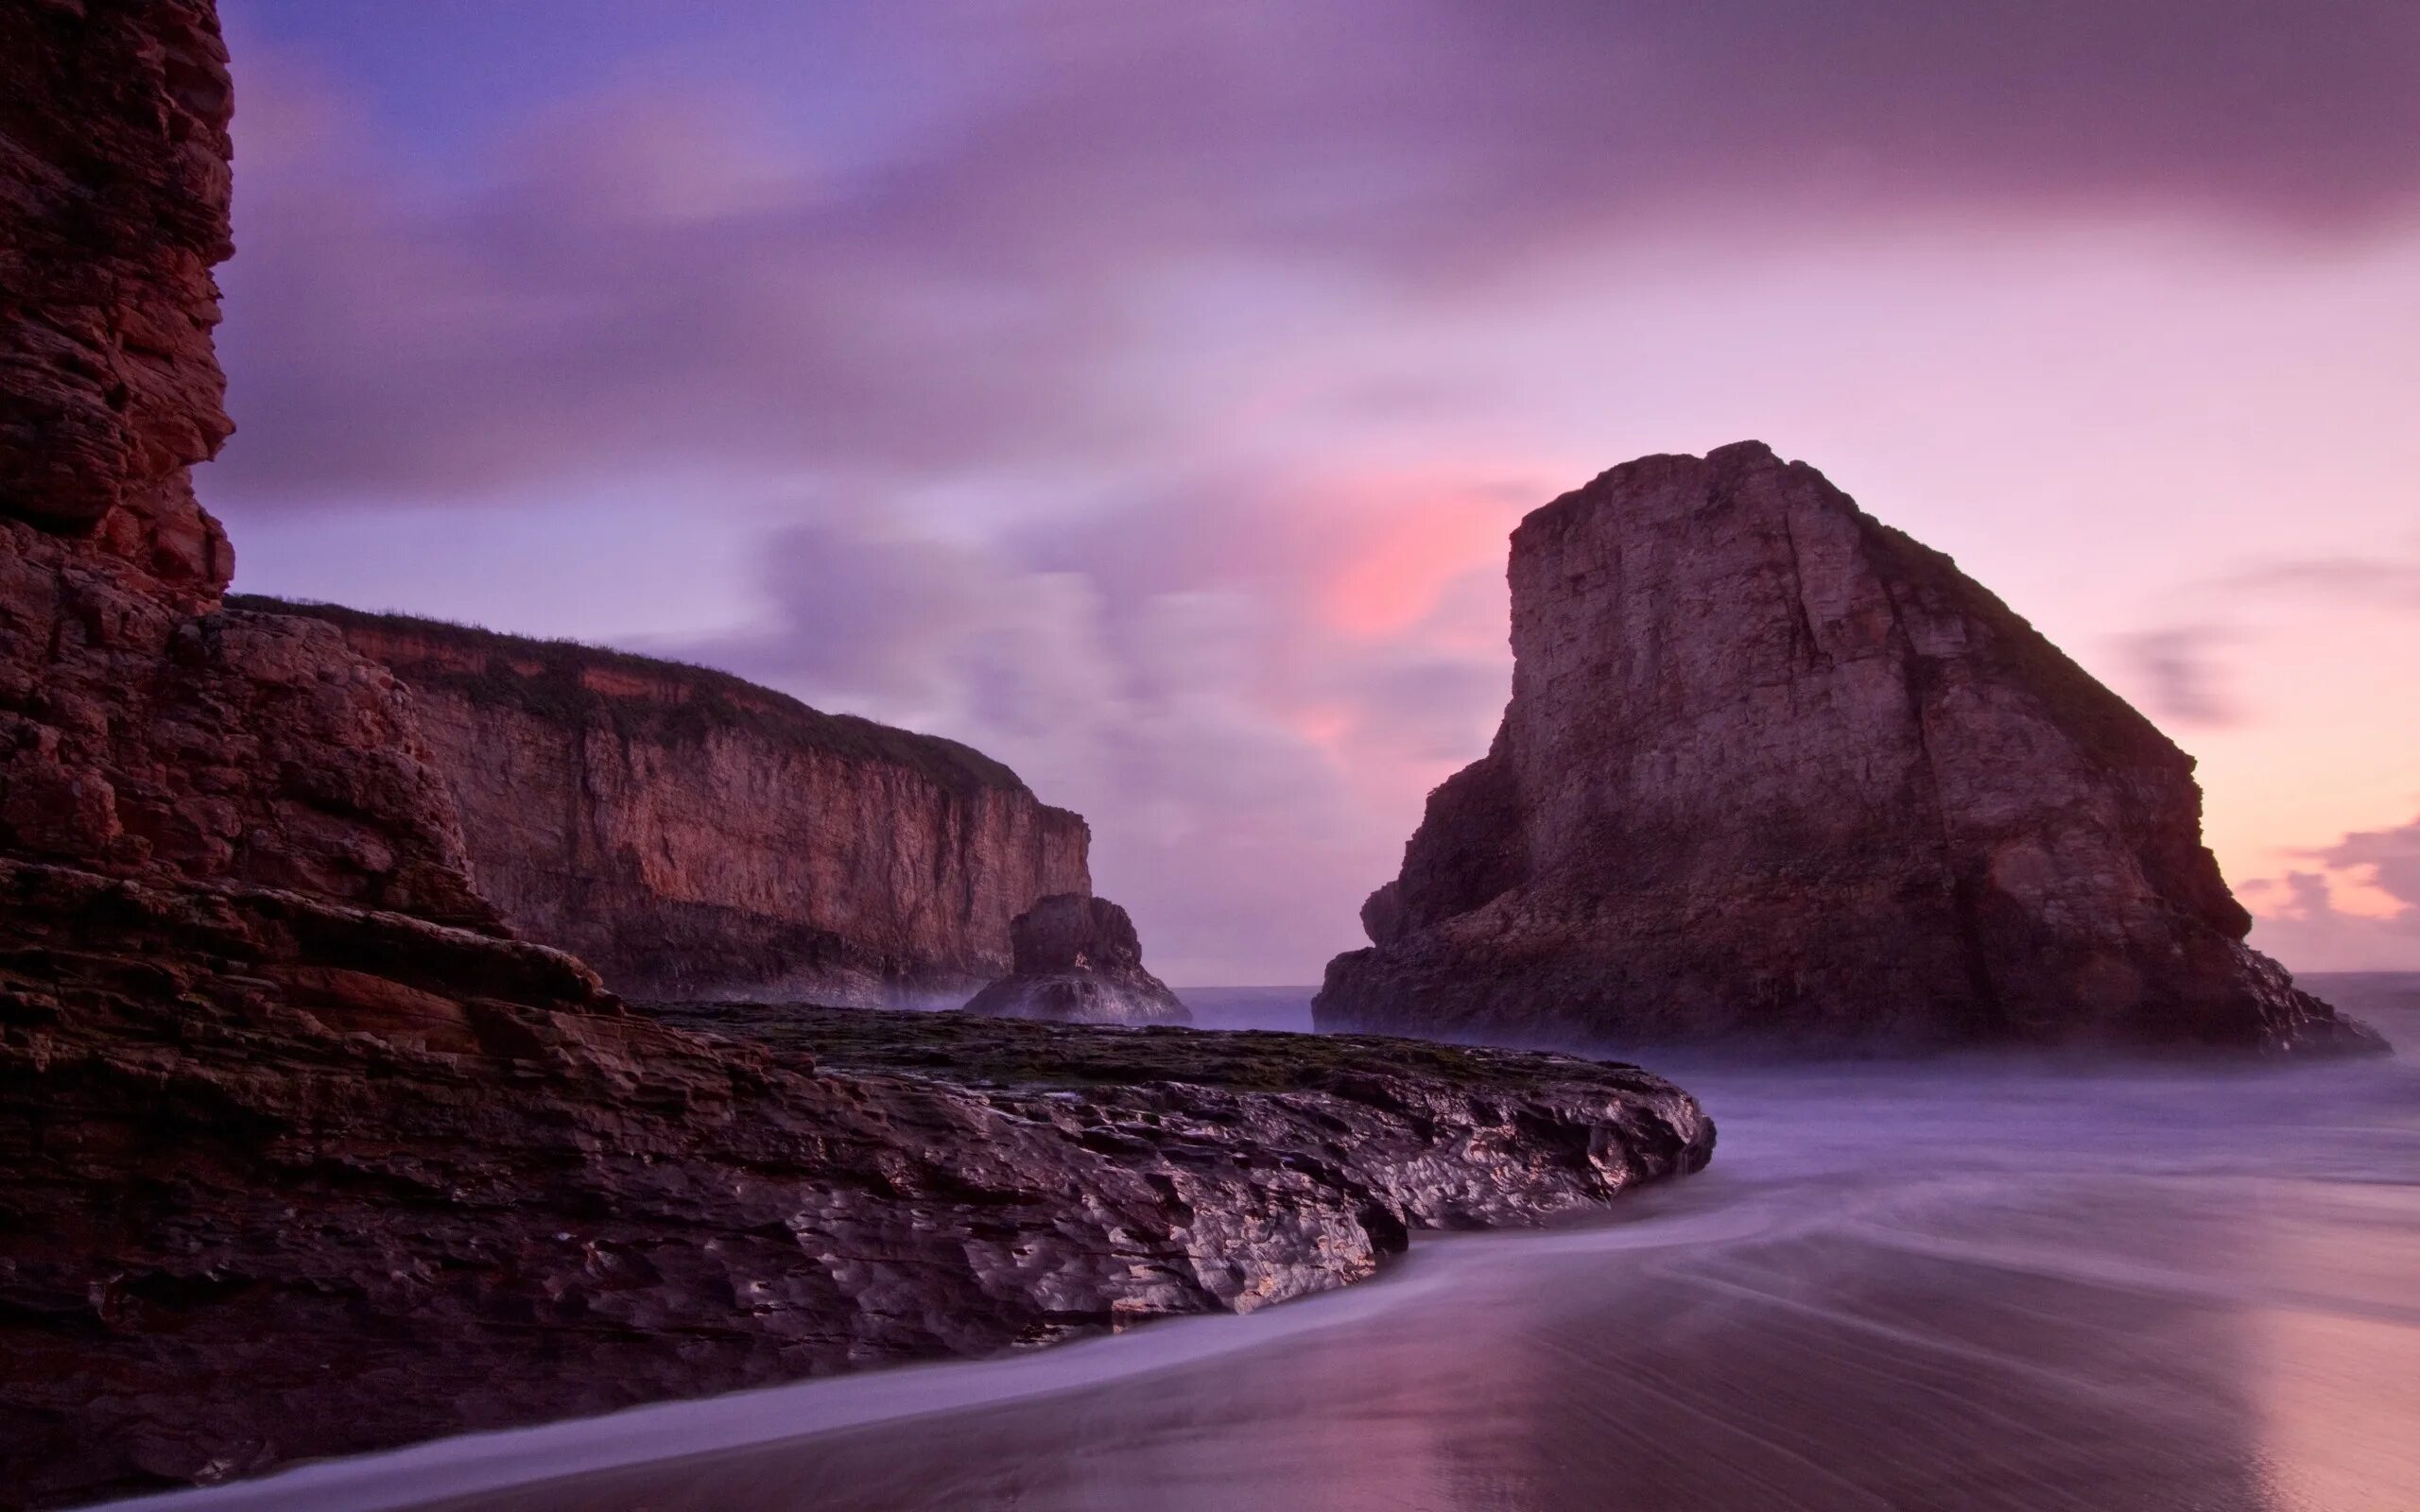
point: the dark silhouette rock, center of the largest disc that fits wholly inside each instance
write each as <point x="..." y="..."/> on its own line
<point x="1771" y="768"/>
<point x="691" y="835"/>
<point x="1080" y="961"/>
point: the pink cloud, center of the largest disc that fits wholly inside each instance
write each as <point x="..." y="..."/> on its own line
<point x="2361" y="913"/>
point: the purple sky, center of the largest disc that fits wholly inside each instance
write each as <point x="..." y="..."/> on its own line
<point x="1142" y="393"/>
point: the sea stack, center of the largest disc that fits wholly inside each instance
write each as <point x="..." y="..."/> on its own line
<point x="1772" y="770"/>
<point x="1078" y="961"/>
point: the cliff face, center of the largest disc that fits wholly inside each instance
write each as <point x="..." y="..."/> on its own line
<point x="691" y="835"/>
<point x="141" y="734"/>
<point x="113" y="191"/>
<point x="1773" y="768"/>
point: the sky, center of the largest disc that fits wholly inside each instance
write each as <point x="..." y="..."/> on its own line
<point x="1143" y="394"/>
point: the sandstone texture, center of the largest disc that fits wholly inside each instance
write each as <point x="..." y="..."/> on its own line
<point x="1080" y="961"/>
<point x="691" y="835"/>
<point x="142" y="734"/>
<point x="114" y="194"/>
<point x="1773" y="769"/>
<point x="286" y="1178"/>
<point x="301" y="1151"/>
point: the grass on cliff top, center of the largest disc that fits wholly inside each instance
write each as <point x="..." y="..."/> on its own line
<point x="969" y="1049"/>
<point x="716" y="700"/>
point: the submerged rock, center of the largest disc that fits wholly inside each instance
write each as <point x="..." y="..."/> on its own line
<point x="1771" y="768"/>
<point x="1078" y="961"/>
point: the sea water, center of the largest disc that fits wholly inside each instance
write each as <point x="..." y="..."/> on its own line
<point x="1940" y="1285"/>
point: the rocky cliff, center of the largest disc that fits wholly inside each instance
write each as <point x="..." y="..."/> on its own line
<point x="301" y="1151"/>
<point x="691" y="835"/>
<point x="142" y="734"/>
<point x="1773" y="768"/>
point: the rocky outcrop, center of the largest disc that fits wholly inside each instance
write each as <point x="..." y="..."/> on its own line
<point x="114" y="193"/>
<point x="1771" y="768"/>
<point x="301" y="1151"/>
<point x="1080" y="961"/>
<point x="691" y="835"/>
<point x="280" y="1184"/>
<point x="142" y="734"/>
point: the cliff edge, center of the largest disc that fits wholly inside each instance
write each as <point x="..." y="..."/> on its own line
<point x="694" y="836"/>
<point x="1773" y="769"/>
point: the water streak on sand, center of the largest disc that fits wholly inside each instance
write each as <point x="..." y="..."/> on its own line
<point x="1980" y="1286"/>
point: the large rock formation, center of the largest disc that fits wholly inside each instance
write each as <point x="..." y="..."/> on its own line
<point x="113" y="191"/>
<point x="141" y="735"/>
<point x="691" y="835"/>
<point x="282" y="1178"/>
<point x="301" y="1151"/>
<point x="1773" y="768"/>
<point x="1080" y="961"/>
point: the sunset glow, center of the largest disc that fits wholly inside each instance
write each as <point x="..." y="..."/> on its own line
<point x="1145" y="396"/>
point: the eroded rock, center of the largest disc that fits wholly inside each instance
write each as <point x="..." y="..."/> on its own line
<point x="286" y="1178"/>
<point x="1771" y="768"/>
<point x="1079" y="961"/>
<point x="113" y="194"/>
<point x="691" y="835"/>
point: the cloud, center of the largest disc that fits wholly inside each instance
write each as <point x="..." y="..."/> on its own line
<point x="624" y="295"/>
<point x="1099" y="381"/>
<point x="1247" y="763"/>
<point x="2180" y="671"/>
<point x="2301" y="919"/>
<point x="2393" y="857"/>
<point x="2387" y="581"/>
<point x="677" y="273"/>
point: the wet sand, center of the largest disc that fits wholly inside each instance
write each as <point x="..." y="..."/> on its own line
<point x="1972" y="1286"/>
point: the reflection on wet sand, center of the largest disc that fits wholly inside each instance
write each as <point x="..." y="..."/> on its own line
<point x="1982" y="1287"/>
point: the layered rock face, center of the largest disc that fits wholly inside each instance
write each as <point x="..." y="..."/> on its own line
<point x="114" y="187"/>
<point x="1080" y="961"/>
<point x="691" y="835"/>
<point x="140" y="733"/>
<point x="284" y="1179"/>
<point x="1773" y="768"/>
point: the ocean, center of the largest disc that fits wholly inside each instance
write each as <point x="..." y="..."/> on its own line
<point x="1945" y="1285"/>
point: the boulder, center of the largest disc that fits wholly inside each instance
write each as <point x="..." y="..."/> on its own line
<point x="1078" y="961"/>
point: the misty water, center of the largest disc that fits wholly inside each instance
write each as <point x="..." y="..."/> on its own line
<point x="1944" y="1285"/>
